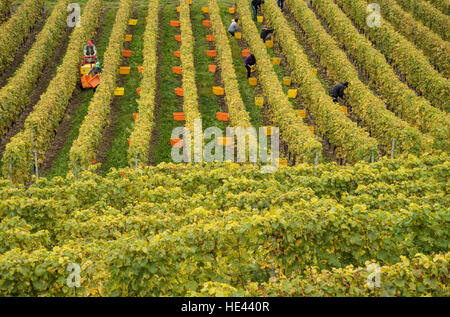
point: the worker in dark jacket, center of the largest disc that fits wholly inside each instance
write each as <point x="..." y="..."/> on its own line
<point x="250" y="62"/>
<point x="256" y="4"/>
<point x="338" y="91"/>
<point x="266" y="34"/>
<point x="97" y="69"/>
<point x="280" y="4"/>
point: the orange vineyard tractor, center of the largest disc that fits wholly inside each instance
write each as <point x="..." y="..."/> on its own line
<point x="87" y="81"/>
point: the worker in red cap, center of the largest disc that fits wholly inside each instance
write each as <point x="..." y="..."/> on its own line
<point x="90" y="53"/>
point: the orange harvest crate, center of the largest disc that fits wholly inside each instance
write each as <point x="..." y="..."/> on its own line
<point x="179" y="92"/>
<point x="212" y="53"/>
<point x="178" y="37"/>
<point x="177" y="143"/>
<point x="127" y="53"/>
<point x="210" y="38"/>
<point x="135" y="115"/>
<point x="140" y="69"/>
<point x="128" y="38"/>
<point x="222" y="116"/>
<point x="179" y="116"/>
<point x="206" y="23"/>
<point x="177" y="70"/>
<point x="175" y="23"/>
<point x="138" y="90"/>
<point x="245" y="53"/>
<point x="94" y="81"/>
<point x="177" y="53"/>
<point x="212" y="68"/>
<point x="129" y="140"/>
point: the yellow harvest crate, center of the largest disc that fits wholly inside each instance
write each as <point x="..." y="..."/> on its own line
<point x="259" y="18"/>
<point x="178" y="9"/>
<point x="132" y="22"/>
<point x="124" y="70"/>
<point x="282" y="162"/>
<point x="311" y="128"/>
<point x="344" y="109"/>
<point x="85" y="69"/>
<point x="205" y="9"/>
<point x="259" y="101"/>
<point x="253" y="81"/>
<point x="301" y="113"/>
<point x="128" y="38"/>
<point x="224" y="141"/>
<point x="218" y="91"/>
<point x="267" y="130"/>
<point x="119" y="91"/>
<point x="238" y="35"/>
<point x="269" y="44"/>
<point x="315" y="71"/>
<point x="287" y="81"/>
<point x="292" y="93"/>
<point x="232" y="10"/>
<point x="276" y="61"/>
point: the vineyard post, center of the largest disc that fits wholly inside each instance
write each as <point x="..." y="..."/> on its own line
<point x="254" y="159"/>
<point x="372" y="159"/>
<point x="10" y="169"/>
<point x="75" y="171"/>
<point x="393" y="148"/>
<point x="35" y="155"/>
<point x="317" y="160"/>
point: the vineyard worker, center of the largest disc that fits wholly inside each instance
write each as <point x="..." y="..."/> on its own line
<point x="90" y="50"/>
<point x="338" y="91"/>
<point x="233" y="27"/>
<point x="256" y="4"/>
<point x="266" y="34"/>
<point x="97" y="69"/>
<point x="280" y="4"/>
<point x="249" y="61"/>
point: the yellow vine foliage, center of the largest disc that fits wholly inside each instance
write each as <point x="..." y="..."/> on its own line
<point x="435" y="48"/>
<point x="403" y="101"/>
<point x="84" y="148"/>
<point x="49" y="111"/>
<point x="16" y="93"/>
<point x="190" y="98"/>
<point x="293" y="130"/>
<point x="142" y="132"/>
<point x="430" y="16"/>
<point x="406" y="57"/>
<point x="382" y="123"/>
<point x="239" y="117"/>
<point x="14" y="31"/>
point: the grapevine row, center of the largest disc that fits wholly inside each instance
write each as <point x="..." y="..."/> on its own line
<point x="442" y="5"/>
<point x="353" y="143"/>
<point x="12" y="99"/>
<point x="5" y="8"/>
<point x="436" y="49"/>
<point x="16" y="29"/>
<point x="431" y="17"/>
<point x="295" y="133"/>
<point x="140" y="137"/>
<point x="383" y="124"/>
<point x="84" y="148"/>
<point x="239" y="117"/>
<point x="421" y="275"/>
<point x="190" y="97"/>
<point x="414" y="109"/>
<point x="409" y="60"/>
<point x="49" y="111"/>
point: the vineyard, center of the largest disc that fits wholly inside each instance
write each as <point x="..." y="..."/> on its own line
<point x="88" y="177"/>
